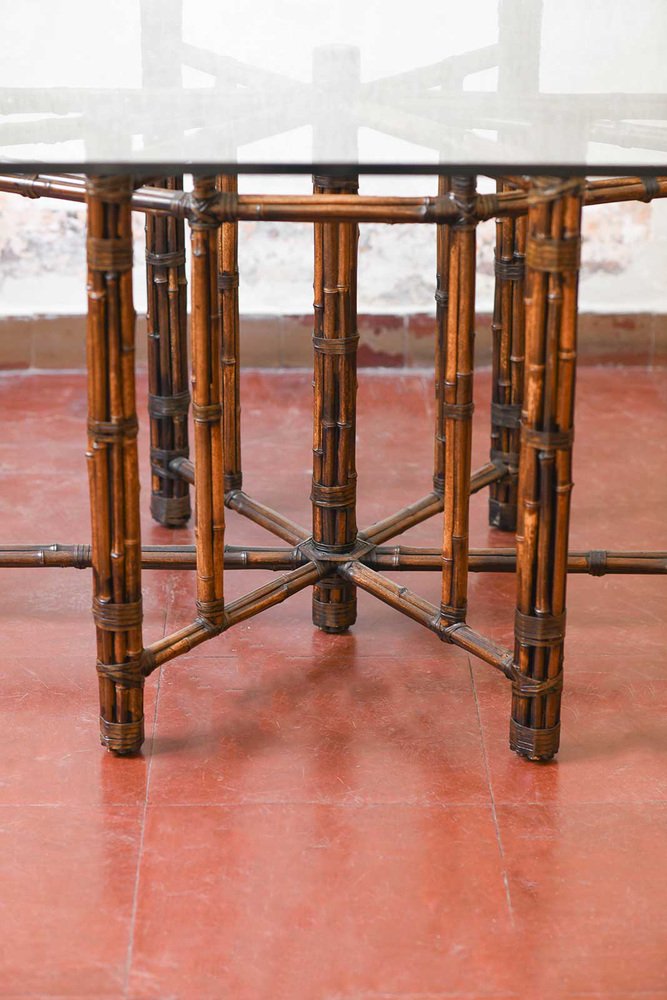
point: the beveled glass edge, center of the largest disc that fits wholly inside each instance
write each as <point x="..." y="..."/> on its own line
<point x="337" y="169"/>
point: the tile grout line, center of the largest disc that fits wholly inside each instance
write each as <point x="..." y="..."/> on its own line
<point x="325" y="803"/>
<point x="494" y="812"/>
<point x="331" y="803"/>
<point x="140" y="852"/>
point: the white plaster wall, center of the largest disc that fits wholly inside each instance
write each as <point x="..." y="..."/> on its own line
<point x="42" y="257"/>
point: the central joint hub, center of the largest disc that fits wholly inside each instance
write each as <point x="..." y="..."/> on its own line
<point x="322" y="556"/>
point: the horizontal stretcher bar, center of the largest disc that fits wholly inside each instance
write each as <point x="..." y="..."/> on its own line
<point x="596" y="562"/>
<point x="228" y="207"/>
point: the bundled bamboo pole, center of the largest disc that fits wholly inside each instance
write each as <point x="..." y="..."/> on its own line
<point x="228" y="291"/>
<point x="335" y="338"/>
<point x="169" y="396"/>
<point x="508" y="364"/>
<point x="207" y="410"/>
<point x="545" y="482"/>
<point x="112" y="464"/>
<point x="458" y="402"/>
<point x="441" y="299"/>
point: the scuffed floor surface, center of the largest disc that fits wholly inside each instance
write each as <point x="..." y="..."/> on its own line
<point x="317" y="817"/>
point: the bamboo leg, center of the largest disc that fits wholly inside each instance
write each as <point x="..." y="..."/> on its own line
<point x="552" y="258"/>
<point x="457" y="404"/>
<point x="228" y="291"/>
<point x="441" y="299"/>
<point x="335" y="385"/>
<point x="169" y="398"/>
<point x="508" y="363"/>
<point x="112" y="464"/>
<point x="207" y="410"/>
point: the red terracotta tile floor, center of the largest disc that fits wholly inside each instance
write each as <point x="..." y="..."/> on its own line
<point x="317" y="817"/>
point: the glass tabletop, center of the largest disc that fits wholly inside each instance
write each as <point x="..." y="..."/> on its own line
<point x="371" y="85"/>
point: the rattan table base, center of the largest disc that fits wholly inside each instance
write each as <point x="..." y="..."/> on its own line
<point x="529" y="472"/>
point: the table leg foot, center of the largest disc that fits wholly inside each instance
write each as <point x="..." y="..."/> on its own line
<point x="545" y="480"/>
<point x="457" y="402"/>
<point x="207" y="408"/>
<point x="113" y="465"/>
<point x="123" y="739"/>
<point x="335" y="387"/>
<point x="534" y="744"/>
<point x="334" y="605"/>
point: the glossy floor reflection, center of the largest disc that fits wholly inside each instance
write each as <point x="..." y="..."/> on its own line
<point x="335" y="817"/>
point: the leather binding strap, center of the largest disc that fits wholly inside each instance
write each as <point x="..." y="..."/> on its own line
<point x="207" y="414"/>
<point x="210" y="610"/>
<point x="534" y="742"/>
<point x="510" y="270"/>
<point x="553" y="256"/>
<point x="228" y="280"/>
<point x="506" y="415"/>
<point x="111" y="432"/>
<point x="169" y="406"/>
<point x="651" y="187"/>
<point x="334" y="496"/>
<point x="458" y="411"/>
<point x="121" y="737"/>
<point x="539" y="630"/>
<point x="109" y="254"/>
<point x="597" y="562"/>
<point x="126" y="675"/>
<point x="175" y="258"/>
<point x="336" y="345"/>
<point x="117" y="617"/>
<point x="546" y="440"/>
